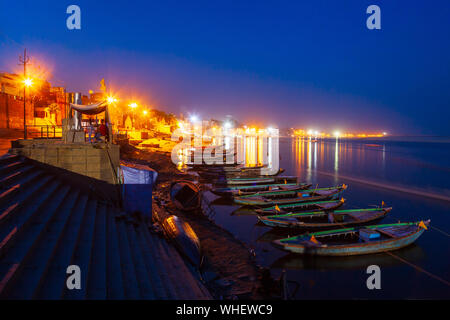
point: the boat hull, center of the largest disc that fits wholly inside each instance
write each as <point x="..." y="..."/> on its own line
<point x="247" y="190"/>
<point x="303" y="206"/>
<point x="265" y="201"/>
<point x="351" y="250"/>
<point x="276" y="222"/>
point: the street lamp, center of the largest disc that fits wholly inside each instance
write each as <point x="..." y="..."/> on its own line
<point x="111" y="99"/>
<point x="26" y="83"/>
<point x="133" y="106"/>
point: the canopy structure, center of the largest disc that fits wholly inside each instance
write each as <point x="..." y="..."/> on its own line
<point x="90" y="109"/>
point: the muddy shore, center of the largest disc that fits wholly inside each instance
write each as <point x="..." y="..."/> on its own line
<point x="229" y="269"/>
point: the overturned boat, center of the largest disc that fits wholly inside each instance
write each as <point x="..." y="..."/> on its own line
<point x="184" y="238"/>
<point x="185" y="195"/>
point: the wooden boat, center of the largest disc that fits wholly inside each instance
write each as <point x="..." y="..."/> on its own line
<point x="280" y="193"/>
<point x="225" y="173"/>
<point x="247" y="190"/>
<point x="325" y="219"/>
<point x="226" y="169"/>
<point x="204" y="166"/>
<point x="355" y="241"/>
<point x="270" y="198"/>
<point x="184" y="238"/>
<point x="256" y="180"/>
<point x="220" y="176"/>
<point x="276" y="179"/>
<point x="244" y="182"/>
<point x="300" y="206"/>
<point x="185" y="195"/>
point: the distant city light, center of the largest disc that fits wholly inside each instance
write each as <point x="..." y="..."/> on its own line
<point x="133" y="105"/>
<point x="338" y="134"/>
<point x="193" y="118"/>
<point x="227" y="125"/>
<point x="145" y="112"/>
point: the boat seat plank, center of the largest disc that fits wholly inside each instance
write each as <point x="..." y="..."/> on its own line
<point x="396" y="232"/>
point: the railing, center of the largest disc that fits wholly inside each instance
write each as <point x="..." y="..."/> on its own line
<point x="43" y="131"/>
<point x="51" y="131"/>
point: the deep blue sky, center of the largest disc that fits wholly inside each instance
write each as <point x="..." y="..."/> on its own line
<point x="288" y="63"/>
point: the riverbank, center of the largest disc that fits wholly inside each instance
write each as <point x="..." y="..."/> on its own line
<point x="229" y="267"/>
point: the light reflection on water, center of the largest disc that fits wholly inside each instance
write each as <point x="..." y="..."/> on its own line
<point x="251" y="150"/>
<point x="395" y="163"/>
<point x="421" y="165"/>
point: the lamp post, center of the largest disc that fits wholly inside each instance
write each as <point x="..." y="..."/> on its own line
<point x="24" y="61"/>
<point x="145" y="113"/>
<point x="133" y="106"/>
<point x="27" y="83"/>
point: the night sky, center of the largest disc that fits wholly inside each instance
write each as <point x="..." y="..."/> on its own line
<point x="310" y="64"/>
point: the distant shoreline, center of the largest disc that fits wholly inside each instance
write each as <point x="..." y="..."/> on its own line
<point x="422" y="139"/>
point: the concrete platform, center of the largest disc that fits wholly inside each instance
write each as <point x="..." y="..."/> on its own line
<point x="97" y="160"/>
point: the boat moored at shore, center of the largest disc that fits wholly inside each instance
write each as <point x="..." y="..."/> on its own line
<point x="355" y="241"/>
<point x="325" y="219"/>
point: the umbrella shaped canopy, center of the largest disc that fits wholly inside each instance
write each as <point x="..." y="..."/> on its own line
<point x="90" y="109"/>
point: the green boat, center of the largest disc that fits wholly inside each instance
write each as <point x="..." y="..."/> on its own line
<point x="270" y="198"/>
<point x="300" y="206"/>
<point x="247" y="190"/>
<point x="355" y="241"/>
<point x="257" y="180"/>
<point x="325" y="219"/>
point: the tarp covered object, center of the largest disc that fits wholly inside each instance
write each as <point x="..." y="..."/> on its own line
<point x="90" y="109"/>
<point x="138" y="181"/>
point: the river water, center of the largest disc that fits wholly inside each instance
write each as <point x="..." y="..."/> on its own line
<point x="410" y="174"/>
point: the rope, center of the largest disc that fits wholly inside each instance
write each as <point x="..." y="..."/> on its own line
<point x="419" y="268"/>
<point x="441" y="231"/>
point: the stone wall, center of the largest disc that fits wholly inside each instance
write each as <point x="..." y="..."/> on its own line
<point x="11" y="112"/>
<point x="99" y="161"/>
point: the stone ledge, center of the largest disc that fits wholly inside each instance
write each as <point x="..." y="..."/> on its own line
<point x="87" y="159"/>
